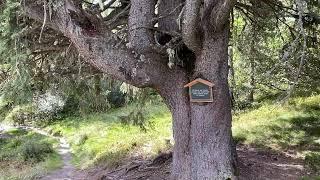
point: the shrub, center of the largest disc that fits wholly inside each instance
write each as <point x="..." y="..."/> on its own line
<point x="45" y="109"/>
<point x="116" y="99"/>
<point x="48" y="107"/>
<point x="20" y="114"/>
<point x="33" y="151"/>
<point x="5" y="107"/>
<point x="80" y="139"/>
<point x="313" y="160"/>
<point x="71" y="106"/>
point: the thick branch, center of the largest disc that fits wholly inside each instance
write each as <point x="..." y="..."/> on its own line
<point x="102" y="50"/>
<point x="169" y="11"/>
<point x="141" y="14"/>
<point x="191" y="26"/>
<point x="220" y="13"/>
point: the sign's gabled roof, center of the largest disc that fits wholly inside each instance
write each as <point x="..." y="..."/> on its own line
<point x="199" y="80"/>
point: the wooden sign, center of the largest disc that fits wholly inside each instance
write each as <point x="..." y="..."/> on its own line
<point x="200" y="90"/>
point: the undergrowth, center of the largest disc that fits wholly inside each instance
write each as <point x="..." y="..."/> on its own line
<point x="26" y="155"/>
<point x="102" y="138"/>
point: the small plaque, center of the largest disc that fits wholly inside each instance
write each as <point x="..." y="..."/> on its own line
<point x="200" y="90"/>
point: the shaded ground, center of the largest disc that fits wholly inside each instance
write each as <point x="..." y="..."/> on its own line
<point x="286" y="133"/>
<point x="259" y="164"/>
<point x="254" y="164"/>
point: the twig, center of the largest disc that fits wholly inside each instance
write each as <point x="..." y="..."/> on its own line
<point x="154" y="20"/>
<point x="44" y="19"/>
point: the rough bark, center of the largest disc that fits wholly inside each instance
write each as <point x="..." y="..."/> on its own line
<point x="169" y="11"/>
<point x="211" y="123"/>
<point x="104" y="50"/>
<point x="202" y="132"/>
<point x="176" y="97"/>
<point x="191" y="29"/>
<point x="140" y="34"/>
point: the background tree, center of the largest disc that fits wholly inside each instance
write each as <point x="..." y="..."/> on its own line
<point x="278" y="44"/>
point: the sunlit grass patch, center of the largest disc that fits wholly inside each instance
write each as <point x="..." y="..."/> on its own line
<point x="109" y="141"/>
<point x="102" y="138"/>
<point x="296" y="125"/>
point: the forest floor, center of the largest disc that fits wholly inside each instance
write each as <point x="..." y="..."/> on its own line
<point x="254" y="164"/>
<point x="67" y="171"/>
<point x="26" y="154"/>
<point x="273" y="142"/>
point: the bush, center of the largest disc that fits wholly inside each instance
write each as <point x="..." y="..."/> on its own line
<point x="24" y="146"/>
<point x="313" y="160"/>
<point x="45" y="109"/>
<point x="7" y="147"/>
<point x="80" y="139"/>
<point x="20" y="114"/>
<point x="116" y="99"/>
<point x="33" y="151"/>
<point x="71" y="106"/>
<point x="5" y="107"/>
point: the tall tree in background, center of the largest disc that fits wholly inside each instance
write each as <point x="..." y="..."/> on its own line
<point x="202" y="133"/>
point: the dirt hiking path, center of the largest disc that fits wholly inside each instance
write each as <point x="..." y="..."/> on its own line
<point x="67" y="171"/>
<point x="254" y="164"/>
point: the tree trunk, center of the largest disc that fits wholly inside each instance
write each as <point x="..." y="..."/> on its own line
<point x="202" y="132"/>
<point x="211" y="124"/>
<point x="232" y="79"/>
<point x="176" y="97"/>
<point x="252" y="65"/>
<point x="252" y="81"/>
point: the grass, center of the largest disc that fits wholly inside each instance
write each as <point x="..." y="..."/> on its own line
<point x="102" y="138"/>
<point x="26" y="155"/>
<point x="292" y="126"/>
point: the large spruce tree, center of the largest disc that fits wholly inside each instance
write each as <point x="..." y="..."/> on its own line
<point x="163" y="45"/>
